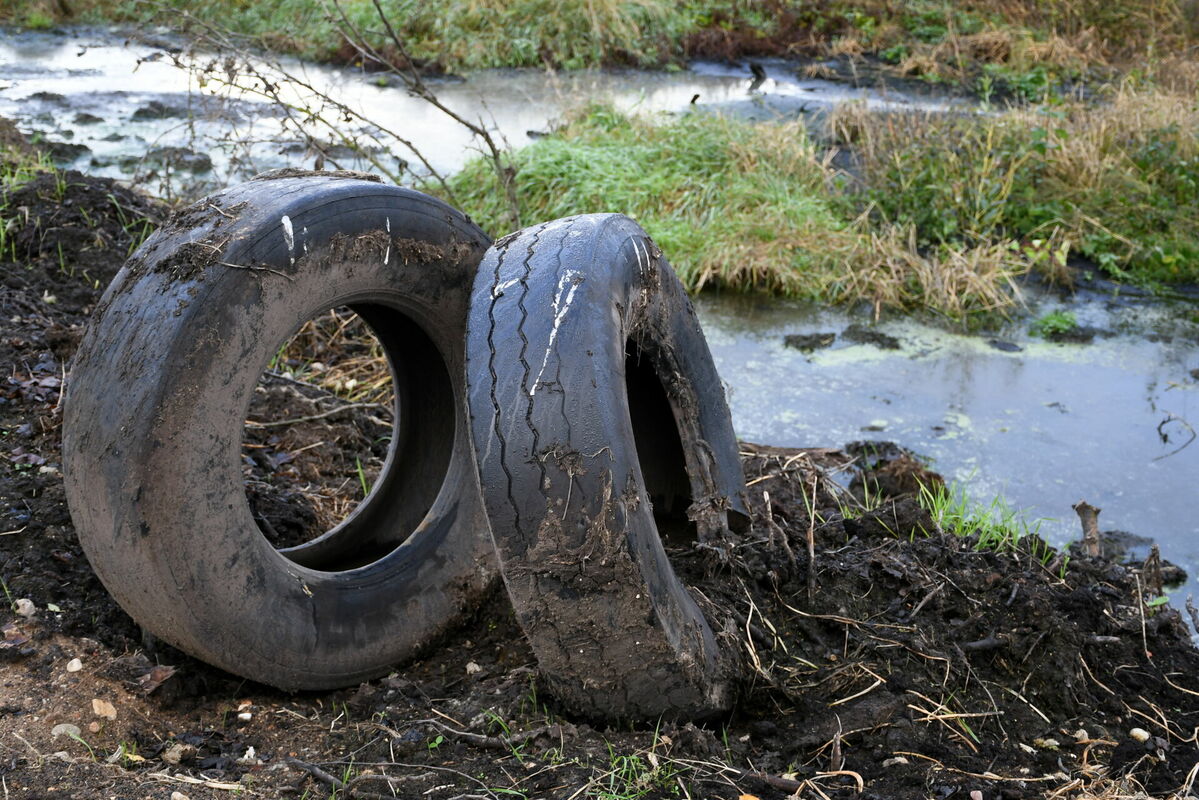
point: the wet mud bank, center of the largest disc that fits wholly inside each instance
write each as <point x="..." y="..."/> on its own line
<point x="881" y="656"/>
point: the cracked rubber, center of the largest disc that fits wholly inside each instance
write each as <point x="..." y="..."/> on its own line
<point x="154" y="415"/>
<point x="582" y="350"/>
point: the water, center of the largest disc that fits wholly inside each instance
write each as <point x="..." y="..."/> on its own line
<point x="1043" y="427"/>
<point x="99" y="73"/>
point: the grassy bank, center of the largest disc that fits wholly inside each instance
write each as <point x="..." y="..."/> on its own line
<point x="730" y="204"/>
<point x="1016" y="47"/>
<point x="1116" y="183"/>
<point x="919" y="224"/>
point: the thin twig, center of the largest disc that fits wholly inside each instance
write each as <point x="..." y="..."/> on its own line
<point x="1172" y="418"/>
<point x="990" y="776"/>
<point x="256" y="269"/>
<point x="296" y="420"/>
<point x="336" y="783"/>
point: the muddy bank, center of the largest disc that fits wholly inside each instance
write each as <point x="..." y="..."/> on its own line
<point x="882" y="656"/>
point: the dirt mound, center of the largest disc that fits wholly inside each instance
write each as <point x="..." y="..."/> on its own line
<point x="66" y="235"/>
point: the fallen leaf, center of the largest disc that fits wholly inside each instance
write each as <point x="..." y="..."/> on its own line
<point x="155" y="678"/>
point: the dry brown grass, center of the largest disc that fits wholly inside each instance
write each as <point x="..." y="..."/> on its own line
<point x="889" y="269"/>
<point x="337" y="352"/>
<point x="1118" y="28"/>
<point x="1041" y="182"/>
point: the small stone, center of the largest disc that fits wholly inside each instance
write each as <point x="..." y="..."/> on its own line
<point x="93" y="727"/>
<point x="66" y="729"/>
<point x="179" y="796"/>
<point x="976" y="795"/>
<point x="1139" y="734"/>
<point x="472" y="668"/>
<point x="245" y="716"/>
<point x="1081" y="735"/>
<point x="898" y="761"/>
<point x="1047" y="744"/>
<point x="74" y="665"/>
<point x="25" y="608"/>
<point x="103" y="708"/>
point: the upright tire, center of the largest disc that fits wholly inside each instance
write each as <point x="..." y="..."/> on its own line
<point x="592" y="395"/>
<point x="154" y="414"/>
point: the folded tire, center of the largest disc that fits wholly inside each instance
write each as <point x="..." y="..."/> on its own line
<point x="154" y="415"/>
<point x="595" y="407"/>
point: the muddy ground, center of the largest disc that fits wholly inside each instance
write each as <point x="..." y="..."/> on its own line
<point x="884" y="659"/>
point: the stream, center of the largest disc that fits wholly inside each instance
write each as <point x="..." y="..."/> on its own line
<point x="1041" y="424"/>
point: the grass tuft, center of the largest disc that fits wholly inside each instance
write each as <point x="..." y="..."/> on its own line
<point x="995" y="526"/>
<point x="744" y="207"/>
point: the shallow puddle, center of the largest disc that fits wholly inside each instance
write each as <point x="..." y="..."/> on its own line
<point x="1043" y="426"/>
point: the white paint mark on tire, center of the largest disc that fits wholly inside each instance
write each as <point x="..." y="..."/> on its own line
<point x="289" y="236"/>
<point x="561" y="306"/>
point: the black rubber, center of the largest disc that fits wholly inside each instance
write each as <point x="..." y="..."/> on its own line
<point x="161" y="385"/>
<point x="592" y="393"/>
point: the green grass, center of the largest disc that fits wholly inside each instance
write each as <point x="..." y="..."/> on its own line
<point x="1055" y="323"/>
<point x="453" y="35"/>
<point x="996" y="525"/>
<point x="1026" y="43"/>
<point x="1115" y="182"/>
<point x="950" y="229"/>
<point x="730" y="204"/>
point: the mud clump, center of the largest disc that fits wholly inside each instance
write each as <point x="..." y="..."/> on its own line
<point x="863" y="334"/>
<point x="12" y="140"/>
<point x="807" y="342"/>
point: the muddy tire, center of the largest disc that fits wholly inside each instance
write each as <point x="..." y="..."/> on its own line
<point x="153" y="424"/>
<point x="592" y="395"/>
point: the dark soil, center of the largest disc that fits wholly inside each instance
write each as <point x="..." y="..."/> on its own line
<point x="876" y="647"/>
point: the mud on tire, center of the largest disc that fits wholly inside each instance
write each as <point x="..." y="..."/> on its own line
<point x="154" y="415"/>
<point x="596" y="408"/>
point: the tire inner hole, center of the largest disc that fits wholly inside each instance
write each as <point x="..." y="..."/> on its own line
<point x="348" y="437"/>
<point x="659" y="449"/>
